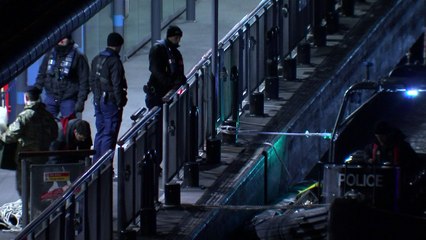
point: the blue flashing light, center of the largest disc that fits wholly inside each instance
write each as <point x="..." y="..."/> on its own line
<point x="348" y="159"/>
<point x="412" y="93"/>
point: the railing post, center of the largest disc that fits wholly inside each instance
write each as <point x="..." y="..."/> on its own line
<point x="348" y="7"/>
<point x="165" y="143"/>
<point x="320" y="24"/>
<point x="231" y="136"/>
<point x="190" y="10"/>
<point x="191" y="169"/>
<point x="148" y="216"/>
<point x="332" y="17"/>
<point x="193" y="134"/>
<point x="271" y="81"/>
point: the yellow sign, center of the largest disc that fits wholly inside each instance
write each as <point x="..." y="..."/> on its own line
<point x="56" y="176"/>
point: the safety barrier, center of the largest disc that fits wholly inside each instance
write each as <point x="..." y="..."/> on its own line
<point x="137" y="186"/>
<point x="247" y="56"/>
<point x="77" y="213"/>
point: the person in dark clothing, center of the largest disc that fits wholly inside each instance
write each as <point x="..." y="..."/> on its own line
<point x="167" y="73"/>
<point x="391" y="149"/>
<point x="64" y="75"/>
<point x="109" y="87"/>
<point x="74" y="134"/>
<point x="166" y="66"/>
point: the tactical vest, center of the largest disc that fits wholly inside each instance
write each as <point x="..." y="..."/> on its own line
<point x="60" y="70"/>
<point x="173" y="66"/>
<point x="100" y="75"/>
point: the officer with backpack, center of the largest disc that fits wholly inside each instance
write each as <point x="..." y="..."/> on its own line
<point x="109" y="87"/>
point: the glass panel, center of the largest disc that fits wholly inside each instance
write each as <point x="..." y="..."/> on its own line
<point x="168" y="9"/>
<point x="179" y="4"/>
<point x="97" y="30"/>
<point x="137" y="23"/>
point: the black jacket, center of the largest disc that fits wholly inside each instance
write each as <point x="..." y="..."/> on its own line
<point x="66" y="138"/>
<point x="166" y="66"/>
<point x="112" y="71"/>
<point x="75" y="85"/>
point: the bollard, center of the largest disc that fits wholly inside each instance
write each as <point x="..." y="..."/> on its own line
<point x="332" y="22"/>
<point x="304" y="53"/>
<point x="289" y="69"/>
<point x="271" y="88"/>
<point x="230" y="136"/>
<point x="213" y="151"/>
<point x="172" y="194"/>
<point x="256" y="104"/>
<point x="320" y="35"/>
<point x="191" y="174"/>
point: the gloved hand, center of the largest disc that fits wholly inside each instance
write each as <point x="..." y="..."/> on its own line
<point x="79" y="107"/>
<point x="123" y="102"/>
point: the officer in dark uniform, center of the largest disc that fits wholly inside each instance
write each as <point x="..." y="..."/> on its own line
<point x="166" y="66"/>
<point x="64" y="75"/>
<point x="109" y="87"/>
<point x="391" y="149"/>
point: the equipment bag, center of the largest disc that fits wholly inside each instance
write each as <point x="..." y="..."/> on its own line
<point x="7" y="156"/>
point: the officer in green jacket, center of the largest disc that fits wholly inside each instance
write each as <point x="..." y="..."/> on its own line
<point x="33" y="130"/>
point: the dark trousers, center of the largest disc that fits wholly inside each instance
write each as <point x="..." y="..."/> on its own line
<point x="63" y="107"/>
<point x="108" y="122"/>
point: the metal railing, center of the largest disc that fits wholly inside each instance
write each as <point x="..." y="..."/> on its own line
<point x="77" y="213"/>
<point x="185" y="114"/>
<point x="171" y="133"/>
<point x="135" y="148"/>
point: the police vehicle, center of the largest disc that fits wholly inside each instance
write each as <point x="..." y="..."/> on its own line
<point x="355" y="199"/>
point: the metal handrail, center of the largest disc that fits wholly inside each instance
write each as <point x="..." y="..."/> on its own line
<point x="51" y="209"/>
<point x="86" y="152"/>
<point x="138" y="113"/>
<point x="135" y="128"/>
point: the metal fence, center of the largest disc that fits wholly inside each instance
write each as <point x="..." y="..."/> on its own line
<point x="245" y="57"/>
<point x="137" y="187"/>
<point x="84" y="211"/>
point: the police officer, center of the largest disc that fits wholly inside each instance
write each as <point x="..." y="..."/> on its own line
<point x="166" y="66"/>
<point x="34" y="129"/>
<point x="64" y="75"/>
<point x="109" y="87"/>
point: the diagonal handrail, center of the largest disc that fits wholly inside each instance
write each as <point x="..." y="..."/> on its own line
<point x="61" y="201"/>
